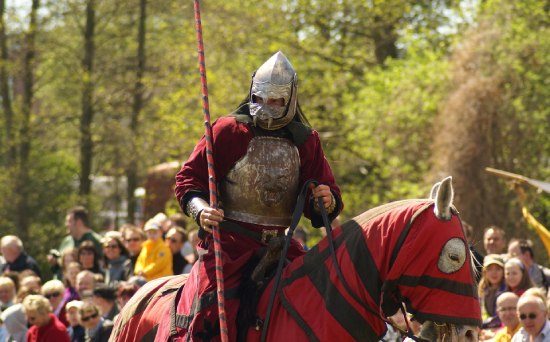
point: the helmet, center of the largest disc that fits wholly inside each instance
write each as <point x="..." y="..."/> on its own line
<point x="275" y="79"/>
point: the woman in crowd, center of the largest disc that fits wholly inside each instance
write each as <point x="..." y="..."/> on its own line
<point x="88" y="258"/>
<point x="54" y="291"/>
<point x="516" y="276"/>
<point x="69" y="279"/>
<point x="118" y="266"/>
<point x="134" y="238"/>
<point x="45" y="325"/>
<point x="491" y="285"/>
<point x="125" y="291"/>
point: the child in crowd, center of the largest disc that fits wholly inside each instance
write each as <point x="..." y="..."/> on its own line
<point x="155" y="259"/>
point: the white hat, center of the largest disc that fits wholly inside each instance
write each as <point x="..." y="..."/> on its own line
<point x="152" y="224"/>
<point x="74" y="304"/>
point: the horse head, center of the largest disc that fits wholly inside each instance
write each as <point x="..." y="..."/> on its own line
<point x="409" y="252"/>
<point x="432" y="272"/>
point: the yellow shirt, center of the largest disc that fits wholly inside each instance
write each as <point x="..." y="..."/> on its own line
<point x="505" y="335"/>
<point x="155" y="260"/>
<point x="543" y="233"/>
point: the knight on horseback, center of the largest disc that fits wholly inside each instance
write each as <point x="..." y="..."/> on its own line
<point x="264" y="152"/>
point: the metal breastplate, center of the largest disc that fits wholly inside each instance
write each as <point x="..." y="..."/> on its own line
<point x="262" y="186"/>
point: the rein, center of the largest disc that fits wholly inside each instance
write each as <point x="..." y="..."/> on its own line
<point x="296" y="215"/>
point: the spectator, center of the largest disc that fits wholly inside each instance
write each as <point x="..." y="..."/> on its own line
<point x="53" y="290"/>
<point x="118" y="265"/>
<point x="125" y="291"/>
<point x="29" y="279"/>
<point x="139" y="281"/>
<point x="533" y="314"/>
<point x="155" y="259"/>
<point x="516" y="276"/>
<point x="300" y="235"/>
<point x="7" y="299"/>
<point x="85" y="284"/>
<point x="175" y="239"/>
<point x="178" y="220"/>
<point x="69" y="279"/>
<point x="14" y="317"/>
<point x="7" y="293"/>
<point x="134" y="241"/>
<point x="523" y="249"/>
<point x="189" y="249"/>
<point x="89" y="258"/>
<point x="491" y="285"/>
<point x="506" y="308"/>
<point x="105" y="300"/>
<point x="494" y="240"/>
<point x="78" y="226"/>
<point x="14" y="276"/>
<point x="164" y="222"/>
<point x="16" y="258"/>
<point x="59" y="261"/>
<point x="97" y="328"/>
<point x="45" y="325"/>
<point x="477" y="257"/>
<point x="75" y="330"/>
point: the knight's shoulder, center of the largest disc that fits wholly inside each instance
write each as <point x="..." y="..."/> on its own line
<point x="231" y="121"/>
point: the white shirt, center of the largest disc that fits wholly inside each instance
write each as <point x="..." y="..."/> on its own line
<point x="523" y="336"/>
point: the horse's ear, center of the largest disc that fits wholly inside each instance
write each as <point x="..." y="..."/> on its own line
<point x="433" y="192"/>
<point x="443" y="198"/>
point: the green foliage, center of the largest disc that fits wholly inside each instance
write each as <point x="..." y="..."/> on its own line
<point x="377" y="80"/>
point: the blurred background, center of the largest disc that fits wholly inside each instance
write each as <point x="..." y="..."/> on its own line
<point x="100" y="102"/>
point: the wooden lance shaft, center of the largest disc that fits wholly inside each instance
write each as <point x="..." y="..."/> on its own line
<point x="211" y="175"/>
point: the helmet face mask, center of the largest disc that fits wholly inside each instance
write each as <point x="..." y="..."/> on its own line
<point x="274" y="80"/>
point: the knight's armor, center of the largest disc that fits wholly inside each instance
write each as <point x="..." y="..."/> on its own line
<point x="262" y="186"/>
<point x="275" y="79"/>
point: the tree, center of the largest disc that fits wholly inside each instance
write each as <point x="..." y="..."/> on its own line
<point x="131" y="171"/>
<point x="496" y="113"/>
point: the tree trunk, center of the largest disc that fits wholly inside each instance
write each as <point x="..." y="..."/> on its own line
<point x="86" y="119"/>
<point x="385" y="39"/>
<point x="23" y="187"/>
<point x="9" y="141"/>
<point x="131" y="172"/>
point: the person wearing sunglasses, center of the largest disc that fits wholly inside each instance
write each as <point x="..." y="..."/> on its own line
<point x="54" y="290"/>
<point x="506" y="308"/>
<point x="133" y="240"/>
<point x="45" y="325"/>
<point x="533" y="314"/>
<point x="97" y="328"/>
<point x="175" y="239"/>
<point x="118" y="266"/>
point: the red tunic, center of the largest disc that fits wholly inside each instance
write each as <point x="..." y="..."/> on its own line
<point x="230" y="144"/>
<point x="53" y="331"/>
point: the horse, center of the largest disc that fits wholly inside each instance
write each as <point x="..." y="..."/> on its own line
<point x="409" y="255"/>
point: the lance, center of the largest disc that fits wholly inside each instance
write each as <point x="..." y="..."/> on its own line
<point x="211" y="175"/>
<point x="540" y="185"/>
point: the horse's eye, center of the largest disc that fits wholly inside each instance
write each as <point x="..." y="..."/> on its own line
<point x="452" y="256"/>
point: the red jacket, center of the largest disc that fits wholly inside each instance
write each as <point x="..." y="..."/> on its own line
<point x="53" y="331"/>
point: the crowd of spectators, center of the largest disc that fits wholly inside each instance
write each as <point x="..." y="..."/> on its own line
<point x="92" y="277"/>
<point x="513" y="290"/>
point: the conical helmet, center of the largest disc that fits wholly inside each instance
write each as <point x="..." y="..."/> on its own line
<point x="274" y="80"/>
